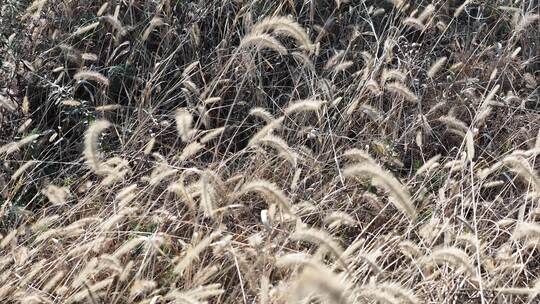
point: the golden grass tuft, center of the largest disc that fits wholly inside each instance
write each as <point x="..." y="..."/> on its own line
<point x="92" y="76"/>
<point x="91" y="138"/>
<point x="400" y="196"/>
<point x="284" y="26"/>
<point x="261" y="40"/>
<point x="401" y="90"/>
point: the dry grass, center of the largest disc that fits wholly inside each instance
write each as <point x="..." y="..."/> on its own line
<point x="269" y="151"/>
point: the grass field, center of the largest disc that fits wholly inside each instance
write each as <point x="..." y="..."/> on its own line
<point x="257" y="151"/>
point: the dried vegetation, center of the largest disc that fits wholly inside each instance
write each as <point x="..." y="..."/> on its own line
<point x="327" y="151"/>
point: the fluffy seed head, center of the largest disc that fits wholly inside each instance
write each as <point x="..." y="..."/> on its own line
<point x="91" y="138"/>
<point x="401" y="197"/>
